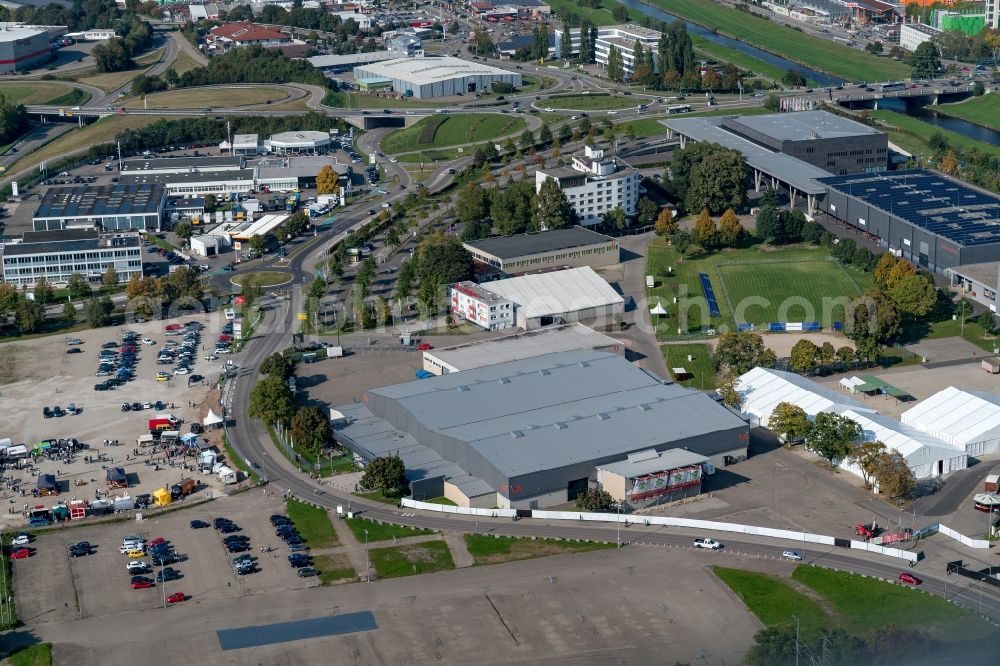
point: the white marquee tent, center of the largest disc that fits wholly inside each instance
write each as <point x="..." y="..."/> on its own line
<point x="925" y="455"/>
<point x="762" y="389"/>
<point x="961" y="418"/>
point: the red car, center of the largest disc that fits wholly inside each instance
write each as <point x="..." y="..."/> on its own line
<point x="173" y="327"/>
<point x="141" y="583"/>
<point x="176" y="597"/>
<point x="20" y="554"/>
<point x="156" y="542"/>
<point x="909" y="579"/>
<point x="425" y="346"/>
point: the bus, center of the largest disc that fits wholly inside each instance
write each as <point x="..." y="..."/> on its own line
<point x="889" y="87"/>
<point x="679" y="108"/>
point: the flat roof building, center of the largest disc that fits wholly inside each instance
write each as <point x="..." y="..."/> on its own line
<point x="560" y="297"/>
<point x="531" y="433"/>
<point x="931" y="220"/>
<point x="652" y="477"/>
<point x="118" y="207"/>
<point x="177" y="165"/>
<point x="306" y="142"/>
<point x="56" y="255"/>
<point x="592" y="197"/>
<point x="24" y="47"/>
<point x="283" y="174"/>
<point x="570" y="247"/>
<point x="525" y="344"/>
<point x="623" y="38"/>
<point x="247" y="144"/>
<point x="240" y="181"/>
<point x="429" y="77"/>
<point x="481" y="307"/>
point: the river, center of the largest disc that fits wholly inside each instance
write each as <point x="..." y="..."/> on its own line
<point x="655" y="12"/>
<point x="957" y="125"/>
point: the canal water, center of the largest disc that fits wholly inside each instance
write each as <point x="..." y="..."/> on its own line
<point x="957" y="125"/>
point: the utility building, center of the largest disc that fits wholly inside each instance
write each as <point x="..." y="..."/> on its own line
<point x="570" y="247"/>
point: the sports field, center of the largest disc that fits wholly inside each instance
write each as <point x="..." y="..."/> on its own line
<point x="440" y="131"/>
<point x="591" y="102"/>
<point x="983" y="110"/>
<point x="43" y="92"/>
<point x="756" y="284"/>
<point x="762" y="292"/>
<point x="820" y="54"/>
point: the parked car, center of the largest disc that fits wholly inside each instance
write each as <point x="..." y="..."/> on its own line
<point x="199" y="524"/>
<point x="141" y="583"/>
<point x="909" y="579"/>
<point x="791" y="555"/>
<point x="21" y="539"/>
<point x="306" y="572"/>
<point x="176" y="597"/>
<point x="137" y="567"/>
<point x="20" y="553"/>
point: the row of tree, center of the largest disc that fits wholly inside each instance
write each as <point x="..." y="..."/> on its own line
<point x="273" y="402"/>
<point x="781" y="645"/>
<point x="13" y="119"/>
<point x="709" y="176"/>
<point x="253" y="64"/>
<point x="147" y="294"/>
<point x="117" y="53"/>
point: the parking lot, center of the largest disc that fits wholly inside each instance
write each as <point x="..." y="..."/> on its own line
<point x="52" y="586"/>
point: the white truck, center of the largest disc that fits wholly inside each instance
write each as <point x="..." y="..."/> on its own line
<point x="227" y="475"/>
<point x="711" y="544"/>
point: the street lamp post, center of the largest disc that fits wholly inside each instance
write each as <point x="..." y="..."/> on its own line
<point x="368" y="566"/>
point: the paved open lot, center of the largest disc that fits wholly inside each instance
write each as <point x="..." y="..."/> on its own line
<point x="602" y="607"/>
<point x="50" y="586"/>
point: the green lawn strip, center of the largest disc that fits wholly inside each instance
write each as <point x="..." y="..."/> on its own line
<point x="866" y="603"/>
<point x="647" y="127"/>
<point x="952" y="328"/>
<point x="382" y="532"/>
<point x="486" y="549"/>
<point x="701" y="368"/>
<point x="334" y="568"/>
<point x="983" y="110"/>
<point x="590" y="102"/>
<point x="159" y="242"/>
<point x="39" y="654"/>
<point x="915" y="134"/>
<point x="438" y="132"/>
<point x="820" y="54"/>
<point x="72" y="97"/>
<point x="7" y="585"/>
<point x="773" y="602"/>
<point x="428" y="156"/>
<point x="441" y="500"/>
<point x="377" y="496"/>
<point x="723" y="53"/>
<point x="418" y="558"/>
<point x="600" y="16"/>
<point x="313" y="523"/>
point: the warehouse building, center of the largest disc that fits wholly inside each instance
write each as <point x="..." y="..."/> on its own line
<point x="570" y="247"/>
<point x="560" y="297"/>
<point x="119" y="207"/>
<point x="925" y="455"/>
<point x="526" y="344"/>
<point x="179" y="165"/>
<point x="531" y="433"/>
<point x="55" y="255"/>
<point x="481" y="307"/>
<point x="763" y="389"/>
<point x="196" y="183"/>
<point x="925" y="217"/>
<point x="962" y="418"/>
<point x="977" y="282"/>
<point x="24" y="47"/>
<point x="429" y="77"/>
<point x="652" y="477"/>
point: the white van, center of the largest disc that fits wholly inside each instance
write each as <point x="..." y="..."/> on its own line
<point x="230" y="314"/>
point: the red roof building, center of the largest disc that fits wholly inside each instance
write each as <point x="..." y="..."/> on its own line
<point x="247" y="34"/>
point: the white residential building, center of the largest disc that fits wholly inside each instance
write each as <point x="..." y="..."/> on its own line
<point x="912" y="35"/>
<point x="623" y="38"/>
<point x="480" y="306"/>
<point x="55" y="255"/>
<point x="594" y="186"/>
<point x="993" y="14"/>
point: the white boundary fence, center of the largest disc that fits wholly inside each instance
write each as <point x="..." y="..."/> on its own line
<point x="668" y="521"/>
<point x="961" y="538"/>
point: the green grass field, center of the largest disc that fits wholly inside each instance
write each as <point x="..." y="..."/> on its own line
<point x="600" y="16"/>
<point x="487" y="549"/>
<point x="722" y="53"/>
<point x="591" y="102"/>
<point x="334" y="568"/>
<point x="313" y="524"/>
<point x="820" y="54"/>
<point x="418" y="558"/>
<point x="793" y="291"/>
<point x="701" y="369"/>
<point x="983" y="110"/>
<point x="864" y="603"/>
<point x="772" y="601"/>
<point x="384" y="532"/>
<point x="264" y="278"/>
<point x="39" y="654"/>
<point x="913" y="134"/>
<point x="209" y="98"/>
<point x="452" y="130"/>
<point x="763" y="265"/>
<point x="43" y="92"/>
<point x="96" y="133"/>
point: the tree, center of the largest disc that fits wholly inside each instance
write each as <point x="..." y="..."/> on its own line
<point x="317" y="288"/>
<point x="184" y="230"/>
<point x="827" y="354"/>
<point x="706" y="232"/>
<point x="311" y="429"/>
<point x="794" y="78"/>
<point x="387" y="474"/>
<point x="553" y="210"/>
<point x="666" y="225"/>
<point x="595" y="499"/>
<point x="949" y="163"/>
<point x="730" y="230"/>
<point x="511" y="207"/>
<point x="277" y="365"/>
<point x="845" y="355"/>
<point x="717" y="182"/>
<point x="772" y="102"/>
<point x="271" y="400"/>
<point x="914" y="295"/>
<point x="251" y="290"/>
<point x="620" y="14"/>
<point x="683" y="240"/>
<point x="258" y="244"/>
<point x="867" y="456"/>
<point x="646" y="211"/>
<point x="893" y="475"/>
<point x="97" y="311"/>
<point x="527" y="139"/>
<point x="28" y="316"/>
<point x="69" y="312"/>
<point x="739" y="353"/>
<point x="727" y="391"/>
<point x="616" y="64"/>
<point x="788" y="421"/>
<point x="472" y="204"/>
<point x="544" y="135"/>
<point x="327" y="180"/>
<point x="404" y="283"/>
<point x="873" y="315"/>
<point x="926" y="61"/>
<point x="988" y="321"/>
<point x="112" y="56"/>
<point x="9" y="298"/>
<point x="804" y="356"/>
<point x="43" y="291"/>
<point x="629" y="131"/>
<point x="183" y="283"/>
<point x="78" y="286"/>
<point x="615" y="218"/>
<point x="110" y="277"/>
<point x="443" y="259"/>
<point x="832" y="435"/>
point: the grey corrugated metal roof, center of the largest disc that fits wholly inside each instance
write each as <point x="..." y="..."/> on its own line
<point x="666" y="460"/>
<point x="164" y="179"/>
<point x="96" y="201"/>
<point x="783" y="167"/>
<point x="506" y="247"/>
<point x="210" y="163"/>
<point x="803" y="125"/>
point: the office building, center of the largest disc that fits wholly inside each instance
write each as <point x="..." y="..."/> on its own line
<point x="481" y="307"/>
<point x="623" y="38"/>
<point x="55" y="255"/>
<point x="430" y="77"/>
<point x="595" y="185"/>
<point x="557" y="248"/>
<point x="912" y="35"/>
<point x="119" y="207"/>
<point x="531" y="433"/>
